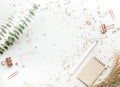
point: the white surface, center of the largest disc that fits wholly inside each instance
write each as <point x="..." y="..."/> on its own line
<point x="53" y="45"/>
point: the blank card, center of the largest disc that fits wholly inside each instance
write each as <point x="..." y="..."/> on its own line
<point x="91" y="71"/>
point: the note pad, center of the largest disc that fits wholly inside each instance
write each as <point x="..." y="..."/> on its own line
<point x="91" y="71"/>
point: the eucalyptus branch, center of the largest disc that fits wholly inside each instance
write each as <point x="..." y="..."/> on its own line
<point x="16" y="30"/>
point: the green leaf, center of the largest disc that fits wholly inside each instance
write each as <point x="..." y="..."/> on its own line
<point x="31" y="12"/>
<point x="24" y="22"/>
<point x="1" y="34"/>
<point x="21" y="27"/>
<point x="4" y="46"/>
<point x="20" y="30"/>
<point x="11" y="39"/>
<point x="3" y="30"/>
<point x="16" y="27"/>
<point x="9" y="18"/>
<point x="8" y="25"/>
<point x="1" y="52"/>
<point x="35" y="6"/>
<point x="16" y="32"/>
<point x="0" y="38"/>
<point x="10" y="22"/>
<point x="30" y="16"/>
<point x="27" y="19"/>
<point x="11" y="33"/>
<point x="4" y="26"/>
<point x="1" y="49"/>
<point x="7" y="43"/>
<point x="14" y="35"/>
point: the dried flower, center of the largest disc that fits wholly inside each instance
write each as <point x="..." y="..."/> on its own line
<point x="113" y="79"/>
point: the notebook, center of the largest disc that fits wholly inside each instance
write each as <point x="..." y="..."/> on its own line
<point x="91" y="71"/>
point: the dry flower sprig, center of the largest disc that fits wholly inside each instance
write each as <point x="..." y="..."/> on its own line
<point x="113" y="79"/>
<point x="7" y="36"/>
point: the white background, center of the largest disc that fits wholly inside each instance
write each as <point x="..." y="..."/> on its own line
<point x="53" y="45"/>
